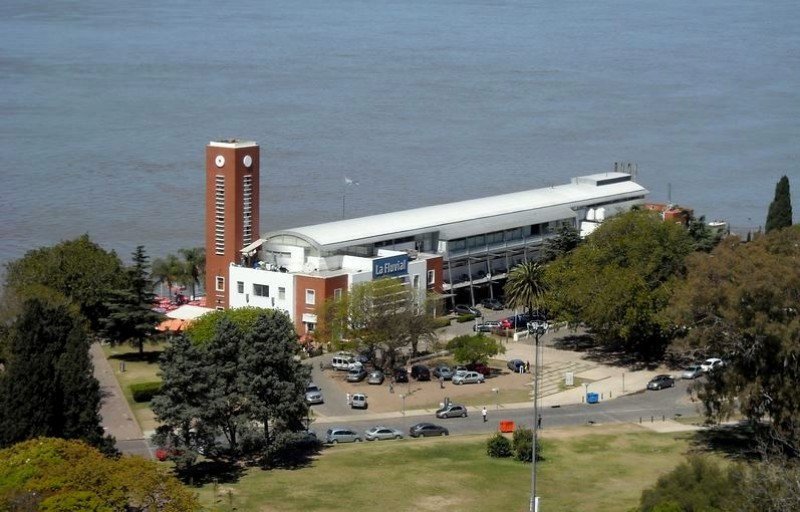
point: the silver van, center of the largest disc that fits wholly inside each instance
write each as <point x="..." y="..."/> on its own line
<point x="342" y="361"/>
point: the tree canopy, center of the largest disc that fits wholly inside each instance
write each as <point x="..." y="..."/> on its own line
<point x="780" y="209"/>
<point x="48" y="388"/>
<point x="244" y="383"/>
<point x="383" y="314"/>
<point x="474" y="348"/>
<point x="79" y="269"/>
<point x="619" y="279"/>
<point x="740" y="303"/>
<point x="59" y="475"/>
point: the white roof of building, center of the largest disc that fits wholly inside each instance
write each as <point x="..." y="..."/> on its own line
<point x="474" y="216"/>
<point x="188" y="312"/>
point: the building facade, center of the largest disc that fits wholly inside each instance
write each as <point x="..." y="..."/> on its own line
<point x="462" y="251"/>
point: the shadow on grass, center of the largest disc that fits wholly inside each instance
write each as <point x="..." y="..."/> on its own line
<point x="737" y="441"/>
<point x="213" y="471"/>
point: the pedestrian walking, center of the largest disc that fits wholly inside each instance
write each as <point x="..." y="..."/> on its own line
<point x="521" y="369"/>
<point x="528" y="366"/>
<point x="539" y="422"/>
<point x="391" y="388"/>
<point x="441" y="382"/>
<point x="349" y="399"/>
<point x="321" y="366"/>
<point x="484" y="413"/>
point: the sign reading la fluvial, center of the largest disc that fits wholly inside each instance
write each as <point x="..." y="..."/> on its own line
<point x="390" y="266"/>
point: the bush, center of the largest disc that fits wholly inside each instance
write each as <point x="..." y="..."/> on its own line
<point x="465" y="318"/>
<point x="498" y="446"/>
<point x="523" y="444"/>
<point x="145" y="391"/>
<point x="442" y="321"/>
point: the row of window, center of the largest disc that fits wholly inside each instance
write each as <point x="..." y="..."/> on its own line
<point x="508" y="235"/>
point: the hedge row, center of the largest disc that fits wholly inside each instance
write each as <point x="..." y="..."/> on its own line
<point x="441" y="321"/>
<point x="145" y="391"/>
<point x="465" y="318"/>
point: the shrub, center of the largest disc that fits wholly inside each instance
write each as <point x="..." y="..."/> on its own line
<point x="465" y="318"/>
<point x="523" y="444"/>
<point x="145" y="391"/>
<point x="498" y="446"/>
<point x="442" y="321"/>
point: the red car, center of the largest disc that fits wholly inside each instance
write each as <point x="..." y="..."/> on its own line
<point x="480" y="368"/>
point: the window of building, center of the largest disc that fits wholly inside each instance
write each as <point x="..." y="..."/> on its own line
<point x="220" y="284"/>
<point x="416" y="281"/>
<point x="311" y="297"/>
<point x="240" y="286"/>
<point x="431" y="277"/>
<point x="261" y="290"/>
<point x="281" y="293"/>
<point x="337" y="293"/>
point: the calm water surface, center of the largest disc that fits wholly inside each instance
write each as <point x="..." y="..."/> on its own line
<point x="106" y="107"/>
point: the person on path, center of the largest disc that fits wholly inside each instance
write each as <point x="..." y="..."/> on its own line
<point x="441" y="382"/>
<point x="528" y="366"/>
<point x="539" y="422"/>
<point x="484" y="413"/>
<point x="349" y="400"/>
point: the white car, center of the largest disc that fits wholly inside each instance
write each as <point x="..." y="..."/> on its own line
<point x="378" y="433"/>
<point x="712" y="363"/>
<point x="469" y="378"/>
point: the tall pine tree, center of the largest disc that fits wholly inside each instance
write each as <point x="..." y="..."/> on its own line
<point x="780" y="209"/>
<point x="131" y="317"/>
<point x="48" y="388"/>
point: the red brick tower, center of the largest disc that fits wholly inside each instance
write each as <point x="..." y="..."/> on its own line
<point x="231" y="211"/>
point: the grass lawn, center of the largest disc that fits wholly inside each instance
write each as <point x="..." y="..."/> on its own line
<point x="136" y="371"/>
<point x="585" y="469"/>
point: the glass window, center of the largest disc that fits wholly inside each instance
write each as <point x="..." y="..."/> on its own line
<point x="220" y="284"/>
<point x="261" y="290"/>
<point x="431" y="277"/>
<point x="240" y="286"/>
<point x="416" y="281"/>
<point x="311" y="297"/>
<point x="281" y="293"/>
<point x="337" y="293"/>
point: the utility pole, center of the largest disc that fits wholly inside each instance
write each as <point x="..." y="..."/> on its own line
<point x="534" y="505"/>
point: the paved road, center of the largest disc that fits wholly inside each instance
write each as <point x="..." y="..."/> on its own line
<point x="628" y="409"/>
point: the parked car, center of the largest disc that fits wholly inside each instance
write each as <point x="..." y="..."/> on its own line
<point x="487" y="326"/>
<point x="692" y="372"/>
<point x="463" y="309"/>
<point x="427" y="430"/>
<point x="480" y="368"/>
<point x="379" y="433"/>
<point x="358" y="401"/>
<point x="514" y="365"/>
<point x="375" y="377"/>
<point x="515" y="322"/>
<point x="342" y="361"/>
<point x="492" y="304"/>
<point x="661" y="382"/>
<point x="357" y="374"/>
<point x="341" y="435"/>
<point x="420" y="372"/>
<point x="355" y="365"/>
<point x="469" y="378"/>
<point x="400" y="375"/>
<point x="443" y="371"/>
<point x="712" y="363"/>
<point x="452" y="411"/>
<point x="314" y="394"/>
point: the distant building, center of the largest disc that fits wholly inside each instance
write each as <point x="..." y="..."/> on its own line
<point x="461" y="250"/>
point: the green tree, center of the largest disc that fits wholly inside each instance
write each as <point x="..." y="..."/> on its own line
<point x="699" y="484"/>
<point x="48" y="388"/>
<point x="383" y="314"/>
<point x="244" y="378"/>
<point x="526" y="286"/>
<point x="567" y="239"/>
<point x="194" y="260"/>
<point x="741" y="303"/>
<point x="79" y="269"/>
<point x="58" y="475"/>
<point x="780" y="209"/>
<point x="702" y="237"/>
<point x="273" y="381"/>
<point x="475" y="348"/>
<point x="169" y="270"/>
<point x="131" y="317"/>
<point x="619" y="281"/>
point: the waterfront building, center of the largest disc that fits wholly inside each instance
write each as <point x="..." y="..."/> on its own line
<point x="461" y="250"/>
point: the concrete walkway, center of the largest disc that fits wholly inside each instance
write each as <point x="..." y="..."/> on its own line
<point x="118" y="419"/>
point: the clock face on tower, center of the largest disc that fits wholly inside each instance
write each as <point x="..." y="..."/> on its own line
<point x="220" y="160"/>
<point x="247" y="160"/>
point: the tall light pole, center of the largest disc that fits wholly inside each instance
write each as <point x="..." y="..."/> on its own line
<point x="534" y="505"/>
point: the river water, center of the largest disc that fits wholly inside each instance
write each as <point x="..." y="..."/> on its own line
<point x="106" y="107"/>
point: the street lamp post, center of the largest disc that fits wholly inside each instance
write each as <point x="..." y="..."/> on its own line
<point x="539" y="331"/>
<point x="496" y="392"/>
